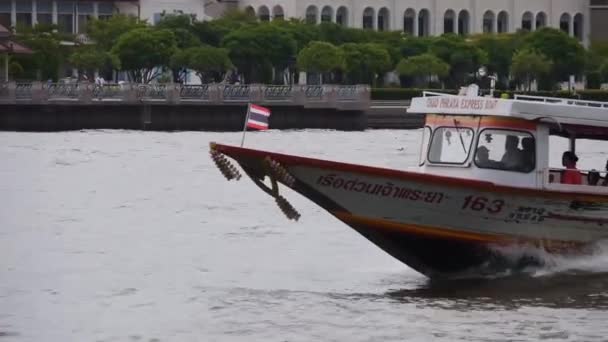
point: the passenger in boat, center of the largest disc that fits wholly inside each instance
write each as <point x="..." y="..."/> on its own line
<point x="571" y="175"/>
<point x="513" y="155"/>
<point x="593" y="177"/>
<point x="528" y="154"/>
<point x="482" y="159"/>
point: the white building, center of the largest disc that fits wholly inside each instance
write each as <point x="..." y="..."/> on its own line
<point x="416" y="17"/>
<point x="434" y="17"/>
<point x="72" y="15"/>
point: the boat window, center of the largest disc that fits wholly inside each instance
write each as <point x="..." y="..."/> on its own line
<point x="506" y="150"/>
<point x="451" y="145"/>
<point x="426" y="138"/>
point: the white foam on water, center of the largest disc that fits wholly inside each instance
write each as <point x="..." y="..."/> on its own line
<point x="552" y="264"/>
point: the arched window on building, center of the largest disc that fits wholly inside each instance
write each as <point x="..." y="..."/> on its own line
<point x="409" y="20"/>
<point x="311" y="14"/>
<point x="342" y="16"/>
<point x="277" y="13"/>
<point x="384" y="19"/>
<point x="502" y="22"/>
<point x="541" y="20"/>
<point x="249" y="10"/>
<point x="564" y="23"/>
<point x="368" y="18"/>
<point x="464" y="22"/>
<point x="327" y="14"/>
<point x="577" y="25"/>
<point x="526" y="21"/>
<point x="449" y="19"/>
<point x="264" y="13"/>
<point x="424" y="23"/>
<point x="488" y="22"/>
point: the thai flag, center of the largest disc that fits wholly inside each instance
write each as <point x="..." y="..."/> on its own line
<point x="257" y="117"/>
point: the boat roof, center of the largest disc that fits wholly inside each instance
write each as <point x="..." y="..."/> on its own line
<point x="569" y="112"/>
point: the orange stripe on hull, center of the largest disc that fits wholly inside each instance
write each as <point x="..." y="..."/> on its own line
<point x="552" y="246"/>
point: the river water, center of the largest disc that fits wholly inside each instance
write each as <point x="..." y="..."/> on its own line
<point x="135" y="236"/>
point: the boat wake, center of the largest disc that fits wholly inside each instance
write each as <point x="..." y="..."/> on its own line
<point x="536" y="262"/>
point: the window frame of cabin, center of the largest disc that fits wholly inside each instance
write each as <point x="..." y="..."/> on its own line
<point x="464" y="162"/>
<point x="422" y="157"/>
<point x="480" y="134"/>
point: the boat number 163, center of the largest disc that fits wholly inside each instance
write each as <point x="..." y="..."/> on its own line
<point x="479" y="203"/>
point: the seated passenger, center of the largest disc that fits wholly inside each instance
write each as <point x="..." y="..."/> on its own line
<point x="512" y="157"/>
<point x="571" y="174"/>
<point x="482" y="159"/>
<point x="528" y="155"/>
<point x="593" y="177"/>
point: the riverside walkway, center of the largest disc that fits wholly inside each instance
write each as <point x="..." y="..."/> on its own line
<point x="39" y="106"/>
<point x="341" y="97"/>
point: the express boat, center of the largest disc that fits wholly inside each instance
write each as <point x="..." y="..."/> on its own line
<point x="484" y="184"/>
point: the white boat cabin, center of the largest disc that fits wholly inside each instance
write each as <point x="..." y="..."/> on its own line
<point x="506" y="141"/>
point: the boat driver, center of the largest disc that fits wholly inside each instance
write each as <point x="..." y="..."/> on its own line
<point x="482" y="159"/>
<point x="513" y="157"/>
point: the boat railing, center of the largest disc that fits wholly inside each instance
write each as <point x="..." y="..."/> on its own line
<point x="552" y="180"/>
<point x="558" y="100"/>
<point x="426" y="93"/>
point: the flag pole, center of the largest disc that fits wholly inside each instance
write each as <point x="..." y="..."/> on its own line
<point x="245" y="126"/>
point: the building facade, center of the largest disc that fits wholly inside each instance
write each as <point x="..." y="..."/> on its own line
<point x="434" y="17"/>
<point x="599" y="20"/>
<point x="584" y="19"/>
<point x="72" y="15"/>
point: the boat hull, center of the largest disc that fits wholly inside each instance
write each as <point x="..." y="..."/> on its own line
<point x="439" y="226"/>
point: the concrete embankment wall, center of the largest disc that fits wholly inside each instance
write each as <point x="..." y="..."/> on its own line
<point x="58" y="117"/>
<point x="392" y="115"/>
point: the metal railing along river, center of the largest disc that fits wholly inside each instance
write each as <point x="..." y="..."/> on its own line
<point x="352" y="97"/>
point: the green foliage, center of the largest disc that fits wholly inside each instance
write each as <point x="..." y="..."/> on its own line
<point x="15" y="70"/>
<point x="212" y="32"/>
<point x="499" y="48"/>
<point x="105" y="33"/>
<point x="603" y="71"/>
<point x="209" y="63"/>
<point x="425" y="65"/>
<point x="89" y="58"/>
<point x="181" y="26"/>
<point x="529" y="65"/>
<point x="363" y="62"/>
<point x="463" y="57"/>
<point x="48" y="54"/>
<point x="144" y="52"/>
<point x="320" y="57"/>
<point x="566" y="53"/>
<point x="254" y="50"/>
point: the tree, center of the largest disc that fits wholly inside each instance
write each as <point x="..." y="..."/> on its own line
<point x="363" y="62"/>
<point x="529" y="65"/>
<point x="499" y="48"/>
<point x="209" y="63"/>
<point x="105" y="33"/>
<point x="89" y="58"/>
<point x="48" y="54"/>
<point x="463" y="57"/>
<point x="425" y="65"/>
<point x="604" y="71"/>
<point x="320" y="57"/>
<point x="145" y="52"/>
<point x="566" y="53"/>
<point x="255" y="50"/>
<point x="212" y="32"/>
<point x="181" y="26"/>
